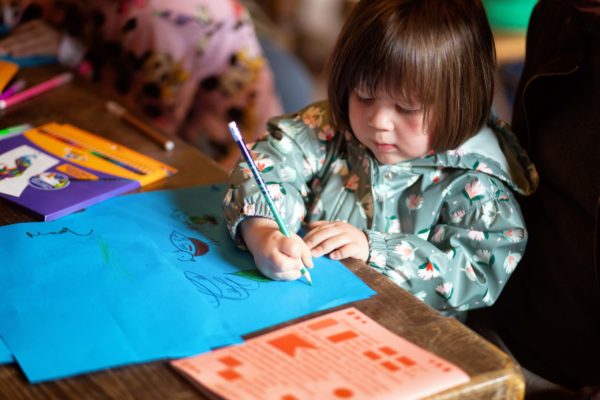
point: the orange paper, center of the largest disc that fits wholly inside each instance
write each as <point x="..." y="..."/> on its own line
<point x="341" y="355"/>
<point x="7" y="71"/>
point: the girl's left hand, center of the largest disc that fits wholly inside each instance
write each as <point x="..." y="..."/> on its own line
<point x="339" y="239"/>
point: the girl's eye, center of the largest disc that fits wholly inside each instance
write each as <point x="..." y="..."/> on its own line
<point x="407" y="110"/>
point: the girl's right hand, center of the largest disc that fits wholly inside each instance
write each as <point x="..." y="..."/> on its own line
<point x="276" y="256"/>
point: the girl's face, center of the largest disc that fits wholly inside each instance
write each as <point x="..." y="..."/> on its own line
<point x="390" y="127"/>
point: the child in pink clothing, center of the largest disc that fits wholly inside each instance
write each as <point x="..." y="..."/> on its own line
<point x="189" y="65"/>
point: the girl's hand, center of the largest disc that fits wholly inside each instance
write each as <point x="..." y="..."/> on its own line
<point x="339" y="239"/>
<point x="31" y="39"/>
<point x="276" y="256"/>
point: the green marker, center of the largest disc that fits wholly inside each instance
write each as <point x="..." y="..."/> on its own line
<point x="14" y="130"/>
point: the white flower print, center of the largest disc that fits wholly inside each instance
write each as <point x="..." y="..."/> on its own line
<point x="327" y="133"/>
<point x="437" y="175"/>
<point x="483" y="256"/>
<point x="250" y="209"/>
<point x="304" y="191"/>
<point x="340" y="167"/>
<point x="394" y="226"/>
<point x="457" y="216"/>
<point x="275" y="191"/>
<point x="483" y="167"/>
<point x="476" y="235"/>
<point x="474" y="190"/>
<point x="310" y="165"/>
<point x="514" y="235"/>
<point x="456" y="152"/>
<point x="378" y="259"/>
<point x="414" y="202"/>
<point x="428" y="271"/>
<point x="511" y="261"/>
<point x="405" y="250"/>
<point x="487" y="299"/>
<point x="352" y="183"/>
<point x="489" y="212"/>
<point x="288" y="174"/>
<point x="445" y="289"/>
<point x="439" y="234"/>
<point x="470" y="272"/>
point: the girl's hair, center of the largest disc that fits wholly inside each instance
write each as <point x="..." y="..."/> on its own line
<point x="438" y="53"/>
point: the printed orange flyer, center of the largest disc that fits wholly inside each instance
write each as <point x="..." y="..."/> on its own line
<point x="341" y="355"/>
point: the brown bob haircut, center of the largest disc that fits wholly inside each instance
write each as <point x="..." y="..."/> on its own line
<point x="438" y="53"/>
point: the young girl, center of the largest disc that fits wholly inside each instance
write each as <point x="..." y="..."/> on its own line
<point x="403" y="168"/>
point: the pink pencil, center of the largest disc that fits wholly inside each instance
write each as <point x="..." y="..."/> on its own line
<point x="12" y="89"/>
<point x="37" y="89"/>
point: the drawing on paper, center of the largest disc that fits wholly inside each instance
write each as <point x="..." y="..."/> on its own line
<point x="188" y="248"/>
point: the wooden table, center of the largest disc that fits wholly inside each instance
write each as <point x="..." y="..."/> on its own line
<point x="493" y="374"/>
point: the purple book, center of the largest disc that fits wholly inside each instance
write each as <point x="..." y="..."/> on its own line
<point x="55" y="170"/>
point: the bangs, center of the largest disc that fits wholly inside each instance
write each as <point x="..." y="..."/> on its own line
<point x="400" y="64"/>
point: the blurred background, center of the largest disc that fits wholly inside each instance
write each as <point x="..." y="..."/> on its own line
<point x="298" y="36"/>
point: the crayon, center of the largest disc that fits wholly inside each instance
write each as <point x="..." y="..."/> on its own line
<point x="12" y="89"/>
<point x="36" y="90"/>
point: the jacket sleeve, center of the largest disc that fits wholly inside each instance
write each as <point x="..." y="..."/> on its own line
<point x="294" y="152"/>
<point x="464" y="260"/>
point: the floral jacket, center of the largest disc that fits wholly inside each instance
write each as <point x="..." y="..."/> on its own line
<point x="445" y="226"/>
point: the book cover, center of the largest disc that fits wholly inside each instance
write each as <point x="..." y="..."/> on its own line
<point x="340" y="355"/>
<point x="56" y="169"/>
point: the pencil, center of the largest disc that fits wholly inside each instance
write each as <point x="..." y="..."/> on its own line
<point x="40" y="88"/>
<point x="12" y="89"/>
<point x="237" y="137"/>
<point x="14" y="130"/>
<point x="146" y="129"/>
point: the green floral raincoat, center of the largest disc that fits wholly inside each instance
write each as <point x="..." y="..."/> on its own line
<point x="445" y="227"/>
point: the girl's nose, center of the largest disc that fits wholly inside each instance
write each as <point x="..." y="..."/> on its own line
<point x="381" y="119"/>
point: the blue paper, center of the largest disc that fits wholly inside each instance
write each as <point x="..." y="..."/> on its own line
<point x="5" y="354"/>
<point x="168" y="251"/>
<point x="31" y="61"/>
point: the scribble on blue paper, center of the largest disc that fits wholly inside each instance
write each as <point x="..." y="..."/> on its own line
<point x="187" y="247"/>
<point x="222" y="288"/>
<point x="60" y="232"/>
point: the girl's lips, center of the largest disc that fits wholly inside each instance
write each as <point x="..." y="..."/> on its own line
<point x="385" y="148"/>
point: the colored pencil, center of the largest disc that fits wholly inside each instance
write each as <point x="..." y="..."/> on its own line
<point x="92" y="152"/>
<point x="146" y="129"/>
<point x="14" y="130"/>
<point x="12" y="89"/>
<point x="40" y="88"/>
<point x="237" y="137"/>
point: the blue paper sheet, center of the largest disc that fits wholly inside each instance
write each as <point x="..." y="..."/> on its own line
<point x="5" y="354"/>
<point x="156" y="267"/>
